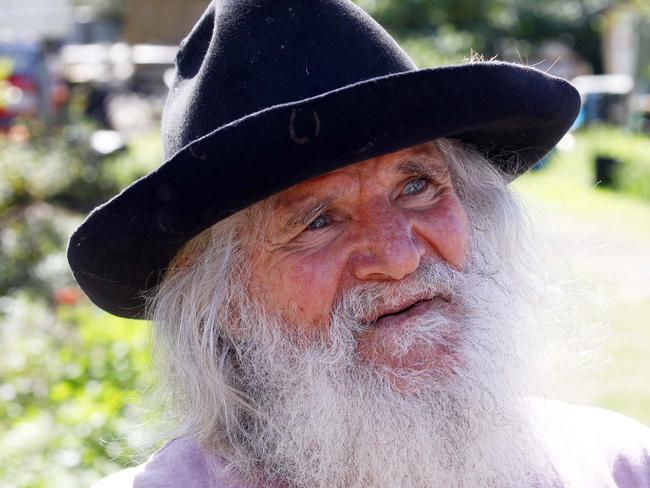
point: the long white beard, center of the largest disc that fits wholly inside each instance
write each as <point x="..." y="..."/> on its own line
<point x="322" y="417"/>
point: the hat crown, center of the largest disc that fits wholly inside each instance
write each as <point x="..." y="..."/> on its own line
<point x="247" y="55"/>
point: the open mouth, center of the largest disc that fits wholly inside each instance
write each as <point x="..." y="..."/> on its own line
<point x="406" y="311"/>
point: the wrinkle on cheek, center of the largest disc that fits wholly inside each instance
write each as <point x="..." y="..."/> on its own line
<point x="446" y="228"/>
<point x="456" y="229"/>
<point x="314" y="286"/>
<point x="303" y="287"/>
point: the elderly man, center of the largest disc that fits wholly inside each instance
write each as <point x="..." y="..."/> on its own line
<point x="337" y="272"/>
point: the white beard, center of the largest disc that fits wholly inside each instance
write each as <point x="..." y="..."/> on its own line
<point x="321" y="417"/>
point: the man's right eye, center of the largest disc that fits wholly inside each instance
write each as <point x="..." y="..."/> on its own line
<point x="415" y="186"/>
<point x="319" y="222"/>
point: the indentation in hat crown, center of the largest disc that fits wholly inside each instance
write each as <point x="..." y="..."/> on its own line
<point x="247" y="55"/>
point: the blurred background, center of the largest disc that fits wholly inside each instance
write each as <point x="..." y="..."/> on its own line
<point x="82" y="85"/>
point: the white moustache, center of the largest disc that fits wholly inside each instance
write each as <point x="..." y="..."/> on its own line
<point x="364" y="304"/>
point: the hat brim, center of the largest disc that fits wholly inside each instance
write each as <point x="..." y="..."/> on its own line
<point x="514" y="114"/>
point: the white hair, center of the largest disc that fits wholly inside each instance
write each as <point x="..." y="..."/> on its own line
<point x="231" y="395"/>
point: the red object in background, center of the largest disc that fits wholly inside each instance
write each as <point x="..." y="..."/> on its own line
<point x="60" y="94"/>
<point x="20" y="96"/>
<point x="24" y="82"/>
<point x="68" y="295"/>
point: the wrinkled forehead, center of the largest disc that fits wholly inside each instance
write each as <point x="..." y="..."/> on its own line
<point x="426" y="159"/>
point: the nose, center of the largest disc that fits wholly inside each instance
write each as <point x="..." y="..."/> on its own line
<point x="387" y="247"/>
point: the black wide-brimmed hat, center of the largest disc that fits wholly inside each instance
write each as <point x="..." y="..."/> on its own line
<point x="270" y="93"/>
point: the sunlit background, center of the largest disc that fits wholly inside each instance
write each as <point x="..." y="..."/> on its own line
<point x="82" y="85"/>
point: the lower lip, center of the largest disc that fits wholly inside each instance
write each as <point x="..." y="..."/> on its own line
<point x="415" y="311"/>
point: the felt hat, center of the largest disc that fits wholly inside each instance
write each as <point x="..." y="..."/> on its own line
<point x="270" y="93"/>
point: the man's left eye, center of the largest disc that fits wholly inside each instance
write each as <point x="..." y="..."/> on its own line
<point x="319" y="222"/>
<point x="415" y="186"/>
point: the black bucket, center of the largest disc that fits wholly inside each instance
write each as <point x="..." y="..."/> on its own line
<point x="606" y="168"/>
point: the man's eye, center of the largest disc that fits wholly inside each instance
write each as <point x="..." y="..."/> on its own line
<point x="319" y="222"/>
<point x="415" y="186"/>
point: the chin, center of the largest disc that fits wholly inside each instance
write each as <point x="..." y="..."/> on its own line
<point x="410" y="359"/>
<point x="418" y="370"/>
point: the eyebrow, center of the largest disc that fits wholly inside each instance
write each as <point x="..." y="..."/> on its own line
<point x="434" y="171"/>
<point x="301" y="214"/>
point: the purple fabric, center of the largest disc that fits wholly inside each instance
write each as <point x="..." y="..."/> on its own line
<point x="181" y="463"/>
<point x="592" y="447"/>
<point x="588" y="447"/>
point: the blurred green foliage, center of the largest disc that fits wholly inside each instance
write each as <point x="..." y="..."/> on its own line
<point x="68" y="384"/>
<point x="32" y="250"/>
<point x="70" y="374"/>
<point x="58" y="165"/>
<point x="509" y="29"/>
<point x="45" y="185"/>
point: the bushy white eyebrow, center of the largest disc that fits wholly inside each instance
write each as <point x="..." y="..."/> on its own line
<point x="305" y="212"/>
<point x="304" y="215"/>
<point x="433" y="171"/>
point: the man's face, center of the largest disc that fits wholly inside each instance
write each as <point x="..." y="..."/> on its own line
<point x="376" y="221"/>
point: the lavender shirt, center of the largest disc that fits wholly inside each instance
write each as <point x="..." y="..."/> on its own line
<point x="589" y="448"/>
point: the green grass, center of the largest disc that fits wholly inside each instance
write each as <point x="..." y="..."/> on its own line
<point x="603" y="237"/>
<point x="568" y="184"/>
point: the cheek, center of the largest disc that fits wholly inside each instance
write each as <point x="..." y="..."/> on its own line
<point x="446" y="228"/>
<point x="303" y="286"/>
